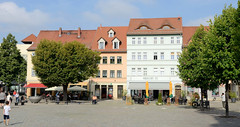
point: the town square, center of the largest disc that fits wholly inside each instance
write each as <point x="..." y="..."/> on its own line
<point x="114" y="63"/>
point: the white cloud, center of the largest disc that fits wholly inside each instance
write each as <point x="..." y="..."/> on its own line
<point x="17" y="19"/>
<point x="197" y="22"/>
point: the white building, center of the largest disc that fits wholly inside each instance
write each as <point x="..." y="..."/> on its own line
<point x="153" y="46"/>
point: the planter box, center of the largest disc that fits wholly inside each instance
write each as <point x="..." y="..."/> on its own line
<point x="233" y="100"/>
<point x="35" y="99"/>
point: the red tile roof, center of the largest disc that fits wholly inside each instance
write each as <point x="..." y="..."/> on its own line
<point x="30" y="38"/>
<point x="119" y="32"/>
<point x="155" y="25"/>
<point x="188" y="32"/>
<point x="86" y="37"/>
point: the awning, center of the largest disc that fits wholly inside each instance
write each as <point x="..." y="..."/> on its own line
<point x="35" y="85"/>
<point x="152" y="85"/>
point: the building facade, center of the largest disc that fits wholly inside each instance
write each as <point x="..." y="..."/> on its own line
<point x="153" y="46"/>
<point x="112" y="75"/>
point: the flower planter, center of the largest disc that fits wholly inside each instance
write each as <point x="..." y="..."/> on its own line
<point x="35" y="99"/>
<point x="233" y="100"/>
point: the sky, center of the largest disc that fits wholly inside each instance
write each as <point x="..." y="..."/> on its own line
<point x="24" y="17"/>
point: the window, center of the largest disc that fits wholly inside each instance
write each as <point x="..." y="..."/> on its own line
<point x="104" y="73"/>
<point x="144" y="40"/>
<point x="101" y="45"/>
<point x="178" y="54"/>
<point x="178" y="40"/>
<point x="98" y="74"/>
<point x="112" y="59"/>
<point x="155" y="56"/>
<point x="144" y="55"/>
<point x="133" y="41"/>
<point x="139" y="55"/>
<point x="110" y="34"/>
<point x="162" y="55"/>
<point x="162" y="40"/>
<point x="133" y="56"/>
<point x="145" y="71"/>
<point x="161" y="71"/>
<point x="133" y="71"/>
<point x="155" y="71"/>
<point x="165" y="27"/>
<point x="172" y="55"/>
<point x="172" y="71"/>
<point x="119" y="73"/>
<point x="155" y="40"/>
<point x="104" y="60"/>
<point x="139" y="40"/>
<point x="119" y="60"/>
<point x="143" y="28"/>
<point x="112" y="74"/>
<point x="115" y="45"/>
<point x="172" y="40"/>
<point x="139" y="71"/>
<point x="33" y="73"/>
<point x="33" y="53"/>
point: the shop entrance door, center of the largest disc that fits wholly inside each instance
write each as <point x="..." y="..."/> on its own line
<point x="104" y="91"/>
<point x="155" y="94"/>
<point x="178" y="91"/>
<point x="120" y="91"/>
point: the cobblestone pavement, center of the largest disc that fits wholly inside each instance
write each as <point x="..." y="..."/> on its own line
<point x="118" y="114"/>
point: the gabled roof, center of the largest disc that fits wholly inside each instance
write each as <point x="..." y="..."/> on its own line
<point x="154" y="24"/>
<point x="120" y="34"/>
<point x="86" y="37"/>
<point x="30" y="38"/>
<point x="188" y="32"/>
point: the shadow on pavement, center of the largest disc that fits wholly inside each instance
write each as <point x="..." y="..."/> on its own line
<point x="219" y="116"/>
<point x="15" y="123"/>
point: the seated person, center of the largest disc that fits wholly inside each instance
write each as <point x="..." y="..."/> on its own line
<point x="94" y="99"/>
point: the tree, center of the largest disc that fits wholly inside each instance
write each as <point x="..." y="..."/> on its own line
<point x="221" y="53"/>
<point x="13" y="66"/>
<point x="192" y="68"/>
<point x="60" y="64"/>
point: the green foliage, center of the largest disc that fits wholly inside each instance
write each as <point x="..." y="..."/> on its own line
<point x="183" y="93"/>
<point x="193" y="69"/>
<point x="60" y="64"/>
<point x="12" y="64"/>
<point x="233" y="95"/>
<point x="160" y="98"/>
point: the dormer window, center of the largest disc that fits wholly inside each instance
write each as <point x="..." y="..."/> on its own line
<point x="116" y="43"/>
<point x="101" y="44"/>
<point x="111" y="33"/>
<point x="144" y="27"/>
<point x="165" y="27"/>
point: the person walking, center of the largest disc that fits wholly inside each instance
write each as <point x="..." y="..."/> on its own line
<point x="223" y="100"/>
<point x="2" y="98"/>
<point x="6" y="111"/>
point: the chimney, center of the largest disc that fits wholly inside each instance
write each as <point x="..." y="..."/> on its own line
<point x="60" y="32"/>
<point x="79" y="32"/>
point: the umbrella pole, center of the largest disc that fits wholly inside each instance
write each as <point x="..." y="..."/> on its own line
<point x="35" y="92"/>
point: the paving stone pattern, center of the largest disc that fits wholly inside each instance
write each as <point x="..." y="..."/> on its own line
<point x="118" y="114"/>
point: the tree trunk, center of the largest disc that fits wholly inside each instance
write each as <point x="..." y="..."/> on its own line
<point x="226" y="100"/>
<point x="65" y="92"/>
<point x="202" y="93"/>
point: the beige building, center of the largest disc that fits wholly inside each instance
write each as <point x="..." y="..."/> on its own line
<point x="112" y="76"/>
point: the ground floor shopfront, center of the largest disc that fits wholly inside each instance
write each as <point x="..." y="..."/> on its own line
<point x="108" y="90"/>
<point x="139" y="89"/>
